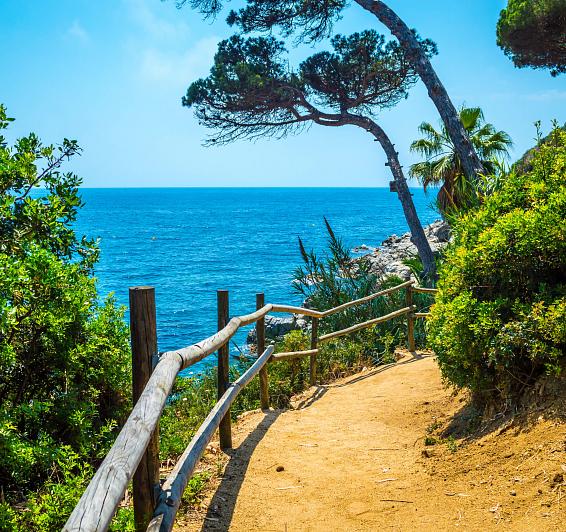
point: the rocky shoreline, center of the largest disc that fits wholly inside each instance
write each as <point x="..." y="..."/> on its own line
<point x="386" y="260"/>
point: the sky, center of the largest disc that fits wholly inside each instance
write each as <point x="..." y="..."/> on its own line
<point x="111" y="74"/>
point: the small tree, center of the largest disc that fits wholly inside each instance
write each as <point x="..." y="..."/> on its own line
<point x="533" y="34"/>
<point x="252" y="93"/>
<point x="313" y="20"/>
<point x="442" y="166"/>
<point x="64" y="370"/>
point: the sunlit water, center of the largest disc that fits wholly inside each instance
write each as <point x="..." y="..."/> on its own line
<point x="188" y="243"/>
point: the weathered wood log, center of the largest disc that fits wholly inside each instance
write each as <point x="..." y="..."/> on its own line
<point x="110" y="482"/>
<point x="98" y="503"/>
<point x="225" y="428"/>
<point x="366" y="299"/>
<point x="96" y="507"/>
<point x="260" y="335"/>
<point x="366" y="324"/>
<point x="410" y="320"/>
<point x="293" y="354"/>
<point x="176" y="482"/>
<point x="422" y="290"/>
<point x="143" y="332"/>
<point x="318" y="314"/>
<point x="314" y="347"/>
<point x="195" y="353"/>
<point x="421" y="314"/>
<point x="297" y="310"/>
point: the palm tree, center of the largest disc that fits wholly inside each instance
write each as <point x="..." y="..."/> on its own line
<point x="442" y="166"/>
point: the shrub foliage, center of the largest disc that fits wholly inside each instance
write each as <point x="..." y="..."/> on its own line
<point x="64" y="357"/>
<point x="499" y="321"/>
<point x="336" y="277"/>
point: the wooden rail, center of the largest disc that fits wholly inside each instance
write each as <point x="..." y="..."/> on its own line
<point x="177" y="480"/>
<point x="366" y="324"/>
<point x="135" y="451"/>
<point x="294" y="354"/>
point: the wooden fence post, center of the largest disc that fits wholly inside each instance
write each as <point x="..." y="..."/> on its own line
<point x="314" y="345"/>
<point x="260" y="336"/>
<point x="143" y="335"/>
<point x="225" y="428"/>
<point x="410" y="319"/>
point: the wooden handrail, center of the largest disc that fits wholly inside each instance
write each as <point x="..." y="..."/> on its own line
<point x="177" y="480"/>
<point x="195" y="353"/>
<point x="293" y="354"/>
<point x="96" y="507"/>
<point x="366" y="299"/>
<point x="422" y="290"/>
<point x="366" y="324"/>
<point x="297" y="310"/>
<point x="323" y="314"/>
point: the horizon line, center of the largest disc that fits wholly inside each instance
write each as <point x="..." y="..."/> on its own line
<point x="239" y="187"/>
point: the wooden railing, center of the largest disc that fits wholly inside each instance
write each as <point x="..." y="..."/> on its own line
<point x="135" y="453"/>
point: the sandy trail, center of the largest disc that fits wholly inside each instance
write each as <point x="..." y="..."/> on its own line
<point x="350" y="457"/>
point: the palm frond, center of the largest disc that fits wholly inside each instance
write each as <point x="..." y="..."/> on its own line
<point x="442" y="165"/>
<point x="430" y="132"/>
<point x="424" y="147"/>
<point x="471" y="117"/>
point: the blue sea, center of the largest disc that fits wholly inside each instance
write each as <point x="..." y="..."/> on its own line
<point x="190" y="242"/>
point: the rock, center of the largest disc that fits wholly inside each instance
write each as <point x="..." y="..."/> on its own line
<point x="279" y="468"/>
<point x="363" y="247"/>
<point x="388" y="259"/>
<point x="277" y="327"/>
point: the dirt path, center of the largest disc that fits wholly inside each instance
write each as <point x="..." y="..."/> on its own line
<point x="352" y="458"/>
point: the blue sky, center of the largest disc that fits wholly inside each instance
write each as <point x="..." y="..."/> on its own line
<point x="111" y="74"/>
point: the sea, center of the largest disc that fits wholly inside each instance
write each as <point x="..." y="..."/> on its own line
<point x="190" y="242"/>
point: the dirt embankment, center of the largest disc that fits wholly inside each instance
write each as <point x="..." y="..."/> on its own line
<point x="352" y="456"/>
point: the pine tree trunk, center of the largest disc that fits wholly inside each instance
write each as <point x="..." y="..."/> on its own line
<point x="470" y="161"/>
<point x="418" y="236"/>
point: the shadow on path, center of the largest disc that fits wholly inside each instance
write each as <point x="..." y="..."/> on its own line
<point x="308" y="401"/>
<point x="221" y="508"/>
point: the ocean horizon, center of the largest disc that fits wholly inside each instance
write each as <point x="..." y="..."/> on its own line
<point x="188" y="242"/>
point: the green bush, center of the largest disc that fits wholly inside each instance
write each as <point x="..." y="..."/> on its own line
<point x="64" y="357"/>
<point x="329" y="280"/>
<point x="499" y="320"/>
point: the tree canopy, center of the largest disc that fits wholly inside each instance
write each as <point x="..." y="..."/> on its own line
<point x="251" y="91"/>
<point x="311" y="20"/>
<point x="499" y="319"/>
<point x="533" y="34"/>
<point x="64" y="370"/>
